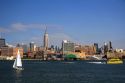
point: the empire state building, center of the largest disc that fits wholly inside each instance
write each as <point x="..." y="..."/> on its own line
<point x="46" y="39"/>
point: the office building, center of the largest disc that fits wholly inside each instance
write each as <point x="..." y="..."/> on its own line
<point x="32" y="47"/>
<point x="25" y="48"/>
<point x="96" y="47"/>
<point x="110" y="46"/>
<point x="46" y="40"/>
<point x="2" y="42"/>
<point x="68" y="46"/>
<point x="10" y="51"/>
<point x="105" y="48"/>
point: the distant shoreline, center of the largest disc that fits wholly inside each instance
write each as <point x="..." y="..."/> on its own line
<point x="51" y="60"/>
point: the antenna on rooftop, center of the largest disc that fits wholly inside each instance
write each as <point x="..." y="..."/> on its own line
<point x="45" y="29"/>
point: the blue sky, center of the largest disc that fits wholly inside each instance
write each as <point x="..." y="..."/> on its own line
<point x="81" y="21"/>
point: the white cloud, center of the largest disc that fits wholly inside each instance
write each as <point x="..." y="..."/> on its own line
<point x="25" y="27"/>
<point x="54" y="39"/>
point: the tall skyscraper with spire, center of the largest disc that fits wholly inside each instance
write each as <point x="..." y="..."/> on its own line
<point x="46" y="39"/>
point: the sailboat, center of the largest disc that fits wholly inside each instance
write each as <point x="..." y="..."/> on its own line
<point x="18" y="63"/>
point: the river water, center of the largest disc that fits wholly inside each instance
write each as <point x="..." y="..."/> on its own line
<point x="62" y="72"/>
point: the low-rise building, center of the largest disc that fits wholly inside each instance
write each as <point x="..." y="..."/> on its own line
<point x="10" y="51"/>
<point x="120" y="50"/>
<point x="89" y="50"/>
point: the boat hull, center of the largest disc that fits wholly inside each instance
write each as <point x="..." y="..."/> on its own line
<point x="114" y="61"/>
<point x="119" y="62"/>
<point x="17" y="68"/>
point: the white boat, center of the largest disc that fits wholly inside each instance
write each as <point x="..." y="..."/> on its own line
<point x="97" y="62"/>
<point x="96" y="57"/>
<point x="18" y="63"/>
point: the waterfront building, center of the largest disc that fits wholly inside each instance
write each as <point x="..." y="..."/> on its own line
<point x="39" y="55"/>
<point x="5" y="51"/>
<point x="79" y="55"/>
<point x="10" y="51"/>
<point x="119" y="50"/>
<point x="114" y="55"/>
<point x="31" y="54"/>
<point x="87" y="49"/>
<point x="13" y="51"/>
<point x="68" y="46"/>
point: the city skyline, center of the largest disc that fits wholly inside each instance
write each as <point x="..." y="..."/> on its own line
<point x="81" y="21"/>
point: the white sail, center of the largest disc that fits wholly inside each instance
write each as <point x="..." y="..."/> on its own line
<point x="19" y="62"/>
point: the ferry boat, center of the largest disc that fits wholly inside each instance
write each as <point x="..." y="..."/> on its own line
<point x="115" y="61"/>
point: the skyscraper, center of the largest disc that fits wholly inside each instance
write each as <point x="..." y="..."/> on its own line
<point x="25" y="48"/>
<point x="110" y="46"/>
<point x="96" y="47"/>
<point x="68" y="46"/>
<point x="32" y="47"/>
<point x="46" y="39"/>
<point x="105" y="48"/>
<point x="2" y="42"/>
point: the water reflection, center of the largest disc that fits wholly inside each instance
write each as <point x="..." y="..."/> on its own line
<point x="18" y="75"/>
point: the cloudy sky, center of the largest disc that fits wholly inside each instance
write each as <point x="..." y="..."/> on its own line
<point x="81" y="21"/>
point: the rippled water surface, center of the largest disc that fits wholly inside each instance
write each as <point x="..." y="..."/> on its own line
<point x="62" y="72"/>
